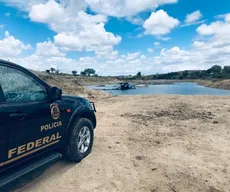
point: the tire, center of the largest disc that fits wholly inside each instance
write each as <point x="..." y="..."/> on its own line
<point x="73" y="151"/>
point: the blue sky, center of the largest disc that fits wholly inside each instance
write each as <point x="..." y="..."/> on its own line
<point x="115" y="37"/>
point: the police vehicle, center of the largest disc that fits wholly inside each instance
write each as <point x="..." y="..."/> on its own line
<point x="36" y="119"/>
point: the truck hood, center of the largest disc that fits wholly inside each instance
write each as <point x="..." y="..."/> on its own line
<point x="76" y="99"/>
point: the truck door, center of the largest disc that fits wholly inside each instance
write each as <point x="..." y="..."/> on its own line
<point x="34" y="123"/>
<point x="3" y="139"/>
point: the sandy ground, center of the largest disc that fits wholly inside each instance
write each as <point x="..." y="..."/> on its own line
<point x="151" y="143"/>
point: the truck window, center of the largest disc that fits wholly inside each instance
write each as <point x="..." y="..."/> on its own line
<point x="19" y="87"/>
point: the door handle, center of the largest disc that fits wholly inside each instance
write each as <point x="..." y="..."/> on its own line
<point x="18" y="116"/>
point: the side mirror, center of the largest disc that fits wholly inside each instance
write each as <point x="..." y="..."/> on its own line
<point x="56" y="93"/>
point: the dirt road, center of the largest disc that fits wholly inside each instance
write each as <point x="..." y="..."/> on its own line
<point x="151" y="143"/>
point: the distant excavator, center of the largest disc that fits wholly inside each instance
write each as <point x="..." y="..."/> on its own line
<point x="125" y="86"/>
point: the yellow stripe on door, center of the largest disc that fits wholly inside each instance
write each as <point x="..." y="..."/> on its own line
<point x="26" y="154"/>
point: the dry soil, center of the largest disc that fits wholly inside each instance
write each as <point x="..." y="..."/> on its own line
<point x="151" y="143"/>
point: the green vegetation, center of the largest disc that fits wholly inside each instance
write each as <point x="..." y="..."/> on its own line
<point x="74" y="73"/>
<point x="83" y="73"/>
<point x="138" y="74"/>
<point x="215" y="72"/>
<point x="52" y="70"/>
<point x="89" y="72"/>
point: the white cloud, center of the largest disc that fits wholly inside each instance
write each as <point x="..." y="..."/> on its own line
<point x="150" y="50"/>
<point x="227" y="18"/>
<point x="140" y="35"/>
<point x="214" y="49"/>
<point x="76" y="29"/>
<point x="163" y="38"/>
<point x="106" y="52"/>
<point x="160" y="23"/>
<point x="132" y="56"/>
<point x="46" y="13"/>
<point x="176" y="56"/>
<point x="218" y="28"/>
<point x="116" y="8"/>
<point x="137" y="20"/>
<point x="193" y="17"/>
<point x="1" y="26"/>
<point x="7" y="14"/>
<point x="143" y="57"/>
<point x="198" y="43"/>
<point x="48" y="49"/>
<point x="22" y="5"/>
<point x="125" y="8"/>
<point x="10" y="46"/>
<point x="217" y="47"/>
<point x="206" y="30"/>
<point x="42" y="63"/>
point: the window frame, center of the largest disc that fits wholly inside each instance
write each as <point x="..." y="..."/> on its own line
<point x="30" y="74"/>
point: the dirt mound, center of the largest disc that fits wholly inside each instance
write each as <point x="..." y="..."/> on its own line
<point x="70" y="85"/>
<point x="178" y="110"/>
<point x="183" y="111"/>
<point x="219" y="84"/>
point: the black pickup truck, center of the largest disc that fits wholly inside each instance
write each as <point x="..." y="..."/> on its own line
<point x="36" y="119"/>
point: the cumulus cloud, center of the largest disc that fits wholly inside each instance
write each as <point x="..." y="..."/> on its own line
<point x="215" y="28"/>
<point x="215" y="49"/>
<point x="76" y="31"/>
<point x="132" y="56"/>
<point x="41" y="63"/>
<point x="150" y="50"/>
<point x="125" y="8"/>
<point x="22" y="5"/>
<point x="227" y="18"/>
<point x="137" y="20"/>
<point x="116" y="8"/>
<point x="218" y="44"/>
<point x="160" y="23"/>
<point x="163" y="38"/>
<point x="46" y="13"/>
<point x="106" y="52"/>
<point x="10" y="46"/>
<point x="48" y="49"/>
<point x="143" y="57"/>
<point x="177" y="56"/>
<point x="193" y="18"/>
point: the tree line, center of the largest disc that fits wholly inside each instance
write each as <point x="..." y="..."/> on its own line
<point x="87" y="72"/>
<point x="215" y="72"/>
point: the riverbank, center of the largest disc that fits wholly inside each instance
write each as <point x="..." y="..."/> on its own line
<point x="74" y="85"/>
<point x="78" y="80"/>
<point x="219" y="84"/>
<point x="69" y="83"/>
<point x="151" y="143"/>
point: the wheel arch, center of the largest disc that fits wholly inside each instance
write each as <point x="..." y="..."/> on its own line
<point x="89" y="115"/>
<point x="81" y="113"/>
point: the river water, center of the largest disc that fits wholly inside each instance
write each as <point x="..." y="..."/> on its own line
<point x="175" y="88"/>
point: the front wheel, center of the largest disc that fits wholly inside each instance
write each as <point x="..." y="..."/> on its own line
<point x="80" y="141"/>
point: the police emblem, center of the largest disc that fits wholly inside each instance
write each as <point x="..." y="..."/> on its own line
<point x="55" y="112"/>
